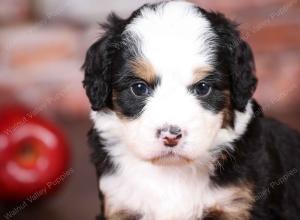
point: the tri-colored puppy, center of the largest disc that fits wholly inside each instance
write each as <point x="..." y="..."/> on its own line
<point x="177" y="135"/>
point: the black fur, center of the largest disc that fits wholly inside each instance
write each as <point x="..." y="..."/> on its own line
<point x="234" y="59"/>
<point x="98" y="65"/>
<point x="216" y="100"/>
<point x="265" y="153"/>
<point x="99" y="156"/>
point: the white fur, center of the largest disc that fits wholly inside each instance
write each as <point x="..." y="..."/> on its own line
<point x="226" y="136"/>
<point x="158" y="191"/>
<point x="175" y="39"/>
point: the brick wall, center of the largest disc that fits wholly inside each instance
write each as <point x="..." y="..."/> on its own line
<point x="41" y="54"/>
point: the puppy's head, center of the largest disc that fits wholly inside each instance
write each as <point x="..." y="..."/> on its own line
<point x="171" y="84"/>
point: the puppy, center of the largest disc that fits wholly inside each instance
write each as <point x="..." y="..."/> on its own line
<point x="177" y="135"/>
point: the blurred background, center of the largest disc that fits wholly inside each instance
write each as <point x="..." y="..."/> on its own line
<point x="42" y="47"/>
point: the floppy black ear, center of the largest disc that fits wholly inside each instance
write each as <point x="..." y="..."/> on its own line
<point x="237" y="54"/>
<point x="97" y="64"/>
<point x="243" y="79"/>
<point x="96" y="79"/>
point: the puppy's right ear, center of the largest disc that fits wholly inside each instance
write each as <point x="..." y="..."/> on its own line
<point x="97" y="77"/>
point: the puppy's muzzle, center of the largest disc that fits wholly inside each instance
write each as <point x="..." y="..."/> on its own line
<point x="170" y="135"/>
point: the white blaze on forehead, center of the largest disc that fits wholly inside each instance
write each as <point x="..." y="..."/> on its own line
<point x="176" y="39"/>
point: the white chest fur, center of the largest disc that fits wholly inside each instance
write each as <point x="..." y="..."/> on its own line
<point x="167" y="193"/>
<point x="162" y="193"/>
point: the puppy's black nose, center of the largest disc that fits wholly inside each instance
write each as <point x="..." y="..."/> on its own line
<point x="170" y="135"/>
<point x="175" y="130"/>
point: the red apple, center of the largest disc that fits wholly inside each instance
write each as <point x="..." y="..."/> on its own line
<point x="33" y="154"/>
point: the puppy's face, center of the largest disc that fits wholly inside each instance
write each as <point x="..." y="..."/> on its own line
<point x="169" y="76"/>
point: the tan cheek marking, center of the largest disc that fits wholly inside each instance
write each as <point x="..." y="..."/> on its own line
<point x="144" y="70"/>
<point x="200" y="73"/>
<point x="228" y="111"/>
<point x="117" y="108"/>
<point x="235" y="207"/>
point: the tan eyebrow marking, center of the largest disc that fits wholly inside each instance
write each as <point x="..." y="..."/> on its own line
<point x="144" y="70"/>
<point x="200" y="73"/>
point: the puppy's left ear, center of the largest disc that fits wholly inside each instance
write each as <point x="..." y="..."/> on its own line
<point x="96" y="79"/>
<point x="243" y="79"/>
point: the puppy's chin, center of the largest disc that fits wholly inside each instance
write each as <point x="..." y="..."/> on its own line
<point x="170" y="159"/>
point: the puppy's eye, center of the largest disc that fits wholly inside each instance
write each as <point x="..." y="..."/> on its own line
<point x="202" y="89"/>
<point x="140" y="89"/>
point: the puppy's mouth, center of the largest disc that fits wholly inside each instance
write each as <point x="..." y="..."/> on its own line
<point x="170" y="159"/>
